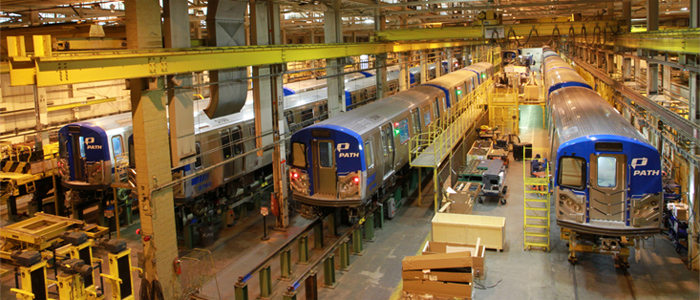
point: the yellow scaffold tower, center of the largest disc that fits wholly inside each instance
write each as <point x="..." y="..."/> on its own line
<point x="536" y="195"/>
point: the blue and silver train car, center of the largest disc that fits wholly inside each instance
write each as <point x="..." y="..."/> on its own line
<point x="607" y="176"/>
<point x="89" y="151"/>
<point x="347" y="160"/>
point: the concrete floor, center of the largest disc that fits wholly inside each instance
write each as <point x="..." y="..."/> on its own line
<point x="513" y="273"/>
<point x="520" y="274"/>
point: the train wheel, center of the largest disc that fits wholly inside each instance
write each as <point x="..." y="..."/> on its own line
<point x="503" y="201"/>
<point x="505" y="190"/>
<point x="573" y="260"/>
<point x="481" y="200"/>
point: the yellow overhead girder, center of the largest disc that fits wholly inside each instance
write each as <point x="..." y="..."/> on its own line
<point x="51" y="68"/>
<point x="676" y="40"/>
<point x="541" y="29"/>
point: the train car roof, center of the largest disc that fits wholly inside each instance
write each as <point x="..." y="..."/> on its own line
<point x="375" y="114"/>
<point x="449" y="80"/>
<point x="580" y="112"/>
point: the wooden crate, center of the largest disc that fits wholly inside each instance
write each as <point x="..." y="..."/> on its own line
<point x="478" y="252"/>
<point x="466" y="229"/>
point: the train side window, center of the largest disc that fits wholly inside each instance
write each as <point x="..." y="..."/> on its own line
<point x="325" y="157"/>
<point x="225" y="143"/>
<point x="132" y="153"/>
<point x="236" y="138"/>
<point x="426" y="115"/>
<point x="198" y="159"/>
<point x="290" y="117"/>
<point x="117" y="146"/>
<point x="572" y="172"/>
<point x="81" y="141"/>
<point x="415" y="114"/>
<point x="369" y="155"/>
<point x="403" y="131"/>
<point x="607" y="171"/>
<point x="307" y="114"/>
<point x="299" y="155"/>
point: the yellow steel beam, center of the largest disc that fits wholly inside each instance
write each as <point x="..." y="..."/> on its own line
<point x="68" y="68"/>
<point x="79" y="104"/>
<point x="430" y="33"/>
<point x="677" y="40"/>
<point x="534" y="29"/>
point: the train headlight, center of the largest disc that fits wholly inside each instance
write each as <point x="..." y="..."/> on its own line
<point x="646" y="211"/>
<point x="299" y="181"/>
<point x="349" y="185"/>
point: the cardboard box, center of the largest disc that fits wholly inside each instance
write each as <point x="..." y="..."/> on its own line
<point x="432" y="247"/>
<point x="438" y="261"/>
<point x="438" y="288"/>
<point x="447" y="275"/>
<point x="679" y="210"/>
<point x="466" y="229"/>
<point x="532" y="92"/>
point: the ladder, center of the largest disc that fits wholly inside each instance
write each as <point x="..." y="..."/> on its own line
<point x="536" y="205"/>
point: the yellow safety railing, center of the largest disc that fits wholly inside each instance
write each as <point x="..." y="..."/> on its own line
<point x="536" y="218"/>
<point x="441" y="135"/>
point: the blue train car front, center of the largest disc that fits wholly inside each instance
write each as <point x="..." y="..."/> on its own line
<point x="608" y="185"/>
<point x="84" y="158"/>
<point x="327" y="167"/>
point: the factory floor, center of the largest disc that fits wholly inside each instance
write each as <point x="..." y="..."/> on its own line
<point x="515" y="273"/>
<point x="511" y="274"/>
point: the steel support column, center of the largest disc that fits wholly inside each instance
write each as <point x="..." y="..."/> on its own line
<point x="180" y="100"/>
<point x="627" y="14"/>
<point x="333" y="33"/>
<point x="143" y="29"/>
<point x="423" y="67"/>
<point x="153" y="167"/>
<point x="404" y="74"/>
<point x="380" y="59"/>
<point x="268" y="101"/>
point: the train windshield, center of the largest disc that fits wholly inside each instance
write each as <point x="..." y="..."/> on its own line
<point x="571" y="172"/>
<point x="299" y="155"/>
<point x="325" y="156"/>
<point x="607" y="171"/>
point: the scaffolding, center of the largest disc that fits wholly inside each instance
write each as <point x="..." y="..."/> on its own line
<point x="536" y="217"/>
<point x="430" y="148"/>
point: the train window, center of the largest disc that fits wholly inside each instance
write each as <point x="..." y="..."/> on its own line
<point x="415" y="114"/>
<point x="226" y="143"/>
<point x="307" y="114"/>
<point x="402" y="131"/>
<point x="607" y="171"/>
<point x="117" y="146"/>
<point x="82" y="146"/>
<point x="290" y="117"/>
<point x="299" y="155"/>
<point x="426" y="115"/>
<point x="572" y="172"/>
<point x="325" y="154"/>
<point x="369" y="155"/>
<point x="132" y="153"/>
<point x="236" y="138"/>
<point x="198" y="159"/>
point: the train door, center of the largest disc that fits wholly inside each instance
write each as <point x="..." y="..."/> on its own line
<point x="324" y="167"/>
<point x="237" y="145"/>
<point x="436" y="111"/>
<point x="387" y="149"/>
<point x="607" y="187"/>
<point x="78" y="152"/>
<point x="415" y="115"/>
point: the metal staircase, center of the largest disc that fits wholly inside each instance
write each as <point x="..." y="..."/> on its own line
<point x="537" y="206"/>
